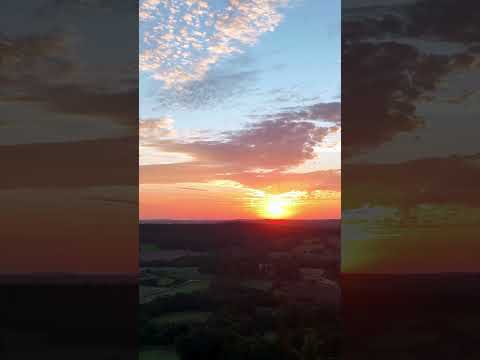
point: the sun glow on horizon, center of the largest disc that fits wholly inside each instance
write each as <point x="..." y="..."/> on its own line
<point x="277" y="207"/>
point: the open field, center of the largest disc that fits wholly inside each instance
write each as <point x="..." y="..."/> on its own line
<point x="264" y="285"/>
<point x="176" y="273"/>
<point x="154" y="252"/>
<point x="158" y="354"/>
<point x="182" y="317"/>
<point x="147" y="248"/>
<point x="168" y="281"/>
<point x="148" y="293"/>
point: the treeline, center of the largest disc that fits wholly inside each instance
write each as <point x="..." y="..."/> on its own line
<point x="264" y="236"/>
<point x="246" y="329"/>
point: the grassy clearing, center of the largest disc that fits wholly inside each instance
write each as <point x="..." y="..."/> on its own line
<point x="149" y="293"/>
<point x="178" y="272"/>
<point x="150" y="247"/>
<point x="270" y="337"/>
<point x="158" y="354"/>
<point x="175" y="273"/>
<point x="188" y="287"/>
<point x="169" y="281"/>
<point x="263" y="285"/>
<point x="162" y="281"/>
<point x="182" y="317"/>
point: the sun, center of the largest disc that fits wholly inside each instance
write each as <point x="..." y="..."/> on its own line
<point x="277" y="208"/>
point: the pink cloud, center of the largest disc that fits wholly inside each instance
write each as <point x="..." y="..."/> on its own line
<point x="273" y="144"/>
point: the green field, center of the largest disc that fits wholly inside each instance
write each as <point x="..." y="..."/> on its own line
<point x="158" y="354"/>
<point x="182" y="317"/>
<point x="150" y="247"/>
<point x="165" y="281"/>
<point x="178" y="272"/>
<point x="263" y="285"/>
<point x="187" y="287"/>
<point x="148" y="293"/>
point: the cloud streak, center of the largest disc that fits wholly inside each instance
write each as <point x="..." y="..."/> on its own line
<point x="328" y="112"/>
<point x="212" y="90"/>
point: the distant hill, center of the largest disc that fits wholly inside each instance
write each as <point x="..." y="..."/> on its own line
<point x="255" y="234"/>
<point x="333" y="222"/>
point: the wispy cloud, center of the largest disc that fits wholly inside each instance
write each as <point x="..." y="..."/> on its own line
<point x="215" y="88"/>
<point x="321" y="111"/>
<point x="152" y="129"/>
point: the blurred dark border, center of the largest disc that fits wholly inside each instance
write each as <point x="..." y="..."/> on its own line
<point x="69" y="184"/>
<point x="410" y="202"/>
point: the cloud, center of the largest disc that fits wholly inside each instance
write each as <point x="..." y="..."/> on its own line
<point x="152" y="129"/>
<point x="216" y="87"/>
<point x="34" y="58"/>
<point x="86" y="163"/>
<point x="451" y="180"/>
<point x="155" y="130"/>
<point x="257" y="156"/>
<point x="274" y="182"/>
<point x="121" y="107"/>
<point x="182" y="40"/>
<point x="395" y="56"/>
<point x="147" y="9"/>
<point x="47" y="69"/>
<point x="268" y="144"/>
<point x="450" y="21"/>
<point x="290" y="95"/>
<point x="187" y="46"/>
<point x="247" y="166"/>
<point x="328" y="112"/>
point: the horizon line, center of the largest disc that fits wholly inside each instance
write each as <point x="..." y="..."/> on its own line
<point x="237" y="219"/>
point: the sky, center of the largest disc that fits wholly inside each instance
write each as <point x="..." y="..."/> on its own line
<point x="69" y="136"/>
<point x="410" y="200"/>
<point x="239" y="109"/>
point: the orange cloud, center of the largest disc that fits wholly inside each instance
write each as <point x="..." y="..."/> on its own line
<point x="237" y="173"/>
<point x="227" y="199"/>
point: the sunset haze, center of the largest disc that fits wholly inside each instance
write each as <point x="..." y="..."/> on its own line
<point x="239" y="109"/>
